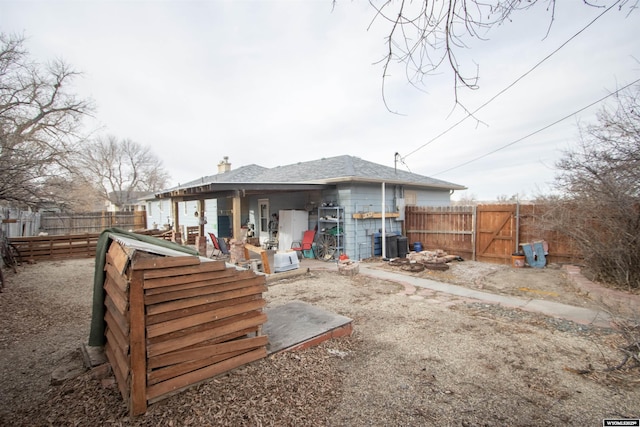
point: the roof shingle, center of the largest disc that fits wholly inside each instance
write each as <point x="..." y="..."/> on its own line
<point x="326" y="170"/>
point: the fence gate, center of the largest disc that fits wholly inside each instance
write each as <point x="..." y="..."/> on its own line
<point x="496" y="233"/>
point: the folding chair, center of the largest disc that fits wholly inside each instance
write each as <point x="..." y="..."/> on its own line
<point x="217" y="245"/>
<point x="306" y="244"/>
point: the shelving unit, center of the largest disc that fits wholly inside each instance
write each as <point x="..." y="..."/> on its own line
<point x="330" y="239"/>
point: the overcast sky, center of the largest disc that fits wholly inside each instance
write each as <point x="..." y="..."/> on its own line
<point x="281" y="82"/>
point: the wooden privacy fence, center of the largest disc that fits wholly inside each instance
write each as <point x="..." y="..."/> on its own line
<point x="172" y="322"/>
<point x="57" y="247"/>
<point x="451" y="228"/>
<point x="488" y="233"/>
<point x="94" y="222"/>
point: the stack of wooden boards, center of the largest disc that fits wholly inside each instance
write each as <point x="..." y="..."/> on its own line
<point x="174" y="321"/>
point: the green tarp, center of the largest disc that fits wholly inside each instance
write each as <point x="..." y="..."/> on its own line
<point x="96" y="335"/>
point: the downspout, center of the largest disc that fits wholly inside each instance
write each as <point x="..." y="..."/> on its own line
<point x="355" y="234"/>
<point x="517" y="224"/>
<point x="384" y="234"/>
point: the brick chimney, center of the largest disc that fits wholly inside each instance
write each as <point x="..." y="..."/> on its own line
<point x="224" y="165"/>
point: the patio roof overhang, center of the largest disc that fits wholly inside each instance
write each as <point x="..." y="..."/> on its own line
<point x="206" y="191"/>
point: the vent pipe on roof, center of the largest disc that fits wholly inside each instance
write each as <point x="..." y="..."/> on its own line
<point x="224" y="165"/>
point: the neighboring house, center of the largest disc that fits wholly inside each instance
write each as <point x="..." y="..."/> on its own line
<point x="131" y="201"/>
<point x="251" y="194"/>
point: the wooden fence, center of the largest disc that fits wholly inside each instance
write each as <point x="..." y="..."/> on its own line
<point x="56" y="224"/>
<point x="488" y="233"/>
<point x="172" y="322"/>
<point x="43" y="248"/>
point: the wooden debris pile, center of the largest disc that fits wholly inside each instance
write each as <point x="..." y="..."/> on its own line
<point x="418" y="261"/>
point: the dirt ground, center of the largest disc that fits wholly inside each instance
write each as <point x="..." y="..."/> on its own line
<point x="413" y="360"/>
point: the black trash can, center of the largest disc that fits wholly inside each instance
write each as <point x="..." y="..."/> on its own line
<point x="403" y="246"/>
<point x="392" y="245"/>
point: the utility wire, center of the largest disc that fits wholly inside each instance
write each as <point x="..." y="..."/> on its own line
<point x="539" y="130"/>
<point x="509" y="86"/>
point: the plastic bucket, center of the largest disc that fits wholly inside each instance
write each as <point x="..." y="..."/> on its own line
<point x="517" y="260"/>
<point x="417" y="246"/>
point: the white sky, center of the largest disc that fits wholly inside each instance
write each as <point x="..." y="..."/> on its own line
<point x="280" y="82"/>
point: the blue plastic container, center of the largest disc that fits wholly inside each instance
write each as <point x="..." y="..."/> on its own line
<point x="417" y="246"/>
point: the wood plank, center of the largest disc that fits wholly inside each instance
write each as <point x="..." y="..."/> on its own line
<point x="366" y="215"/>
<point x="138" y="404"/>
<point x="120" y="361"/>
<point x="213" y="331"/>
<point x="176" y="314"/>
<point x="117" y="296"/>
<point x="265" y="262"/>
<point x="217" y="338"/>
<point x="207" y="351"/>
<point x="166" y="373"/>
<point x="203" y="300"/>
<point x="114" y="318"/>
<point x="202" y="328"/>
<point x="224" y="277"/>
<point x="237" y="283"/>
<point x="118" y="257"/>
<point x="118" y="279"/>
<point x="240" y="334"/>
<point x="164" y="262"/>
<point x="120" y="341"/>
<point x="197" y="276"/>
<point x="191" y="378"/>
<point x="121" y="380"/>
<point x="183" y="271"/>
<point x="202" y="318"/>
<point x="263" y="256"/>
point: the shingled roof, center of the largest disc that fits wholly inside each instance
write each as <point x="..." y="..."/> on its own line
<point x="331" y="170"/>
<point x="349" y="169"/>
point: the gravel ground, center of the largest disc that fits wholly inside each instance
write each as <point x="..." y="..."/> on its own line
<point x="413" y="360"/>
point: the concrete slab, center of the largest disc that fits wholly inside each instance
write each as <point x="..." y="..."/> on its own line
<point x="294" y="324"/>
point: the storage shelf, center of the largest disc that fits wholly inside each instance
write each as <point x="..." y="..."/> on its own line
<point x="329" y="245"/>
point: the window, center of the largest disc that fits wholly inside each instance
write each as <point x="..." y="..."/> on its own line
<point x="410" y="198"/>
<point x="263" y="212"/>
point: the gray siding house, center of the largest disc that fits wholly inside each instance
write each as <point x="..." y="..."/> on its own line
<point x="247" y="198"/>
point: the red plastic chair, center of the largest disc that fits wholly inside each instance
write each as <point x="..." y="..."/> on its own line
<point x="306" y="244"/>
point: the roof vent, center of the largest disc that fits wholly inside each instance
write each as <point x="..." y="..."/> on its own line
<point x="224" y="165"/>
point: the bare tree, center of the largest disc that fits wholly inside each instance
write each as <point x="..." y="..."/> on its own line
<point x="467" y="199"/>
<point x="599" y="182"/>
<point x="73" y="194"/>
<point x="39" y="120"/>
<point x="427" y="36"/>
<point x="121" y="168"/>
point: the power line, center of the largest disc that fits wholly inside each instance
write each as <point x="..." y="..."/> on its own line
<point x="511" y="85"/>
<point x="539" y="130"/>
